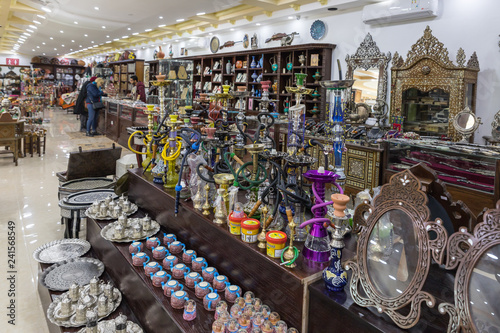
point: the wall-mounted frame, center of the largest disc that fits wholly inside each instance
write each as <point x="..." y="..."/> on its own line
<point x="394" y="250"/>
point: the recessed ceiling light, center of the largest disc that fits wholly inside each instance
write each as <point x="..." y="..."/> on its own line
<point x="92" y="42"/>
<point x="37" y="47"/>
<point x="41" y="16"/>
<point x="107" y="36"/>
<point x="210" y="33"/>
<point x="202" y="13"/>
<point x="107" y="42"/>
<point x="29" y="30"/>
<point x="290" y="17"/>
<point x="96" y="8"/>
<point x="124" y="37"/>
<point x="45" y="9"/>
<point x="232" y="29"/>
<point x="58" y="54"/>
<point x="135" y="33"/>
<point x="37" y="22"/>
<point x="79" y="46"/>
<point x="27" y="34"/>
<point x="33" y="50"/>
<point x="72" y="41"/>
<point x="104" y="27"/>
<point x="43" y="53"/>
<point x="62" y="45"/>
<point x="71" y="49"/>
<point x="148" y="30"/>
<point x="55" y="49"/>
<point x="33" y="26"/>
<point x="61" y="31"/>
<point x="162" y="25"/>
<point x="257" y="24"/>
<point x="43" y="43"/>
<point x="161" y="17"/>
<point x="176" y="40"/>
<point x="51" y="38"/>
<point x="180" y="20"/>
<point x="129" y="29"/>
<point x="116" y="39"/>
<point x="75" y="22"/>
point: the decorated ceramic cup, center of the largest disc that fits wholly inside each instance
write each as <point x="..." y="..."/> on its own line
<point x="178" y="299"/>
<point x="202" y="288"/>
<point x="151" y="267"/>
<point x="208" y="273"/>
<point x="152" y="242"/>
<point x="220" y="283"/>
<point x="170" y="287"/>
<point x="135" y="247"/>
<point x="160" y="252"/>
<point x="210" y="301"/>
<point x="188" y="256"/>
<point x="179" y="270"/>
<point x="168" y="238"/>
<point x="198" y="264"/>
<point x="232" y="292"/>
<point x="140" y="258"/>
<point x="176" y="247"/>
<point x="169" y="262"/>
<point x="192" y="278"/>
<point x="159" y="278"/>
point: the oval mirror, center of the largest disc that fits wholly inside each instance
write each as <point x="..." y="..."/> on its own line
<point x="392" y="253"/>
<point x="484" y="288"/>
<point x="466" y="120"/>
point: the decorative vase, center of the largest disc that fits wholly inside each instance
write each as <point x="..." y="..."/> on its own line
<point x="274" y="65"/>
<point x="315" y="95"/>
<point x="259" y="78"/>
<point x="160" y="53"/>
<point x="300" y="79"/>
<point x="253" y="64"/>
<point x="275" y="86"/>
<point x="317" y="77"/>
<point x="261" y="62"/>
<point x="228" y="67"/>
<point x="302" y="59"/>
<point x="239" y="64"/>
<point x="254" y="76"/>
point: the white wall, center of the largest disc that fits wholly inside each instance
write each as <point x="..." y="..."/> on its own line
<point x="23" y="59"/>
<point x="472" y="25"/>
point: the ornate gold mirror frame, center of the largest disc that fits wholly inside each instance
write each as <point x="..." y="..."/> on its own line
<point x="403" y="195"/>
<point x="472" y="253"/>
<point x="368" y="56"/>
<point x="428" y="66"/>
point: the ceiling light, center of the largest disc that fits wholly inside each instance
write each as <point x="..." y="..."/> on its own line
<point x="180" y="20"/>
<point x="58" y="54"/>
<point x="62" y="45"/>
<point x="51" y="38"/>
<point x="92" y="42"/>
<point x="161" y="17"/>
<point x="72" y="41"/>
<point x="27" y="34"/>
<point x="257" y="24"/>
<point x="202" y="13"/>
<point x="107" y="42"/>
<point x="148" y="30"/>
<point x="61" y="31"/>
<point x="96" y="8"/>
<point x="37" y="22"/>
<point x="29" y="30"/>
<point x="124" y="37"/>
<point x="176" y="40"/>
<point x="55" y="49"/>
<point x="41" y="16"/>
<point x="75" y="22"/>
<point x="104" y="27"/>
<point x="33" y="50"/>
<point x="33" y="26"/>
<point x="79" y="46"/>
<point x="290" y="17"/>
<point x="210" y="33"/>
<point x="71" y="49"/>
<point x="95" y="45"/>
<point x="116" y="39"/>
<point x="38" y="47"/>
<point x="135" y="33"/>
<point x="162" y="25"/>
<point x="44" y="53"/>
<point x="43" y="43"/>
<point x="232" y="29"/>
<point x="129" y="29"/>
<point x="45" y="9"/>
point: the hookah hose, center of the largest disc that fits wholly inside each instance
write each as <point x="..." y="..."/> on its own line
<point x="253" y="183"/>
<point x="191" y="148"/>
<point x="242" y="132"/>
<point x="320" y="204"/>
<point x="314" y="142"/>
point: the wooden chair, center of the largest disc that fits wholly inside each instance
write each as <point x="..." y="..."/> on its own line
<point x="9" y="138"/>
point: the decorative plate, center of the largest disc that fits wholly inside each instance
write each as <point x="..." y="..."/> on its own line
<point x="318" y="29"/>
<point x="54" y="315"/>
<point x="108" y="326"/>
<point x="109" y="216"/>
<point x="214" y="44"/>
<point x="60" y="276"/>
<point x="108" y="232"/>
<point x="246" y="41"/>
<point x="60" y="250"/>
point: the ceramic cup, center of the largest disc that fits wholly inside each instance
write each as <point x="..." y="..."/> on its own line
<point x="168" y="238"/>
<point x="210" y="301"/>
<point x="151" y="267"/>
<point x="135" y="247"/>
<point x="192" y="278"/>
<point x="140" y="258"/>
<point x="179" y="270"/>
<point x="178" y="299"/>
<point x="176" y="247"/>
<point x="169" y="262"/>
<point x="170" y="287"/>
<point x="188" y="256"/>
<point x="198" y="264"/>
<point x="208" y="273"/>
<point x="159" y="278"/>
<point x="202" y="288"/>
<point x="232" y="292"/>
<point x="220" y="283"/>
<point x="160" y="252"/>
<point x="152" y="242"/>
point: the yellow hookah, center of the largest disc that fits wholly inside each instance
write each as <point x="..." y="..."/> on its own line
<point x="146" y="138"/>
<point x="173" y="148"/>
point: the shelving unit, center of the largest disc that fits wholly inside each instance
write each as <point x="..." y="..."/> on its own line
<point x="123" y="70"/>
<point x="62" y="73"/>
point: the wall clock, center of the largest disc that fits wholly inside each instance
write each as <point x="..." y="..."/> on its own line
<point x="318" y="29"/>
<point x="214" y="44"/>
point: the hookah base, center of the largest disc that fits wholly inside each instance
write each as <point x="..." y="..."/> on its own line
<point x="158" y="180"/>
<point x="316" y="256"/>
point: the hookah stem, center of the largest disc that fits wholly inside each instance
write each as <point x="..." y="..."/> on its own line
<point x="320" y="204"/>
<point x="314" y="142"/>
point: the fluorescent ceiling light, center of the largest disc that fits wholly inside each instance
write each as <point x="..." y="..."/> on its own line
<point x="72" y="41"/>
<point x="107" y="42"/>
<point x="161" y="17"/>
<point x="37" y="47"/>
<point x="202" y="13"/>
<point x="116" y="39"/>
<point x="41" y="16"/>
<point x="45" y="9"/>
<point x="55" y="49"/>
<point x="180" y="20"/>
<point x="257" y="24"/>
<point x="135" y="33"/>
<point x="124" y="37"/>
<point x="162" y="25"/>
<point x="62" y="45"/>
<point x="148" y="30"/>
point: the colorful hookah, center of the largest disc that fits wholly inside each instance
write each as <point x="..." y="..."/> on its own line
<point x="317" y="244"/>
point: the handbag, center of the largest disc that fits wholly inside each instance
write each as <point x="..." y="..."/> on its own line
<point x="98" y="105"/>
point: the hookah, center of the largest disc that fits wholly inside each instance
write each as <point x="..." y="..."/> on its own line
<point x="147" y="139"/>
<point x="173" y="149"/>
<point x="239" y="147"/>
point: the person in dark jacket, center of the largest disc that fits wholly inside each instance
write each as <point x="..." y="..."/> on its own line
<point x="94" y="94"/>
<point x="80" y="104"/>
<point x="140" y="90"/>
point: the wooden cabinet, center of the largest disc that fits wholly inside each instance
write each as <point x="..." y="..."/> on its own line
<point x="123" y="70"/>
<point x="61" y="73"/>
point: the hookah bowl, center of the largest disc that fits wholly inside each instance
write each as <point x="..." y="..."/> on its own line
<point x="335" y="276"/>
<point x="317" y="244"/>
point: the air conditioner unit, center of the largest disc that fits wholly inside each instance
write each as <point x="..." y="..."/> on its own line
<point x="399" y="11"/>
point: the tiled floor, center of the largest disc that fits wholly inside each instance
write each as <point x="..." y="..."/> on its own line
<point x="28" y="196"/>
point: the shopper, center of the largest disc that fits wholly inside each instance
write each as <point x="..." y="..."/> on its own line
<point x="140" y="90"/>
<point x="80" y="104"/>
<point x="94" y="96"/>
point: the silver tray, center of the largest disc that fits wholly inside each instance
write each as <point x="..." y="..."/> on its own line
<point x="132" y="210"/>
<point x="108" y="232"/>
<point x="60" y="250"/>
<point x="60" y="276"/>
<point x="108" y="326"/>
<point x="54" y="307"/>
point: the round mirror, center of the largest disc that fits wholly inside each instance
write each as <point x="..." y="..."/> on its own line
<point x="392" y="254"/>
<point x="484" y="288"/>
<point x="465" y="120"/>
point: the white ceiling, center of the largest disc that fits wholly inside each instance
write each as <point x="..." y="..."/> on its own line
<point x="114" y="18"/>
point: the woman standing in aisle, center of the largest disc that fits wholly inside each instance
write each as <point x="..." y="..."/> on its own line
<point x="94" y="94"/>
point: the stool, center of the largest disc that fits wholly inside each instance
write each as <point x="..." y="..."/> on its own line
<point x="73" y="209"/>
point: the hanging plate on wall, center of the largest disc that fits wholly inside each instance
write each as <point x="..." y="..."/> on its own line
<point x="318" y="29"/>
<point x="214" y="44"/>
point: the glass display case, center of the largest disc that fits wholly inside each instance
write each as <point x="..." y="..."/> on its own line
<point x="179" y="93"/>
<point x="465" y="165"/>
<point x="127" y="112"/>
